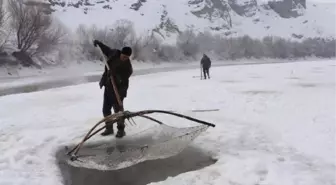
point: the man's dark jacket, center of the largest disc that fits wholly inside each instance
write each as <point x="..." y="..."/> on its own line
<point x="120" y="70"/>
<point x="206" y="62"/>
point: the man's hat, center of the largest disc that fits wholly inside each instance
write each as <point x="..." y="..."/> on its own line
<point x="126" y="51"/>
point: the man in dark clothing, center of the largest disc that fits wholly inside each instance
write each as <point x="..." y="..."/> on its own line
<point x="206" y="64"/>
<point x="120" y="69"/>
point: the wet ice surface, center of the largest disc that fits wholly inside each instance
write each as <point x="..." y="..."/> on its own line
<point x="141" y="174"/>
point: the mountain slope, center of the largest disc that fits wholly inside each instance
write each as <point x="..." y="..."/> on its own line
<point x="294" y="19"/>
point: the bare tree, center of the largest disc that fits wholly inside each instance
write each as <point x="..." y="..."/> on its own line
<point x="49" y="40"/>
<point x="2" y="14"/>
<point x="170" y="53"/>
<point x="3" y="33"/>
<point x="145" y="47"/>
<point x="85" y="36"/>
<point x="82" y="33"/>
<point x="206" y="41"/>
<point x="186" y="41"/>
<point x="122" y="33"/>
<point x="226" y="16"/>
<point x="29" y="22"/>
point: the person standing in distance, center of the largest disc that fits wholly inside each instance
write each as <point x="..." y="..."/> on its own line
<point x="206" y="64"/>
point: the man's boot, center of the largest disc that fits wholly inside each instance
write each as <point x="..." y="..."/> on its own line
<point x="121" y="129"/>
<point x="120" y="133"/>
<point x="108" y="129"/>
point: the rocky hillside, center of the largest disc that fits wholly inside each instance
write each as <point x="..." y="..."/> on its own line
<point x="294" y="19"/>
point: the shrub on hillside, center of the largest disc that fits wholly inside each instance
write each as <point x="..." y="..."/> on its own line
<point x="121" y="33"/>
<point x="118" y="35"/>
<point x="187" y="43"/>
<point x="191" y="46"/>
<point x="2" y="29"/>
<point x="246" y="47"/>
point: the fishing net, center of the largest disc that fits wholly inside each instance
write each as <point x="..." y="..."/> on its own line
<point x="157" y="142"/>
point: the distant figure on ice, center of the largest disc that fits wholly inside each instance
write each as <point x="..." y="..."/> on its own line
<point x="206" y="64"/>
<point x="121" y="69"/>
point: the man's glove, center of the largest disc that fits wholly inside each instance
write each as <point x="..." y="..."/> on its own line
<point x="101" y="84"/>
<point x="95" y="43"/>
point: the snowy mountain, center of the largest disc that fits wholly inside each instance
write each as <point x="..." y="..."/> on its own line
<point x="294" y="19"/>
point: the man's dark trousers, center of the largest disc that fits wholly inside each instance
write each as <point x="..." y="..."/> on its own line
<point x="110" y="102"/>
<point x="206" y="72"/>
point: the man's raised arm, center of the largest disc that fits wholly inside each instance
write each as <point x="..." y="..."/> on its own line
<point x="107" y="51"/>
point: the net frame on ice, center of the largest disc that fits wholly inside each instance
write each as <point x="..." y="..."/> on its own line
<point x="173" y="143"/>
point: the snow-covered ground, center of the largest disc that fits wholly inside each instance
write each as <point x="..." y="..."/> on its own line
<point x="276" y="123"/>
